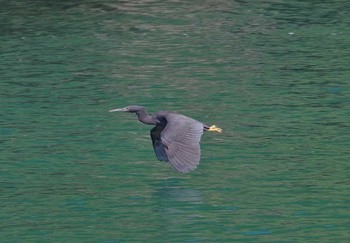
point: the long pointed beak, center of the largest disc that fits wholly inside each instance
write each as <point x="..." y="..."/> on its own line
<point x="119" y="109"/>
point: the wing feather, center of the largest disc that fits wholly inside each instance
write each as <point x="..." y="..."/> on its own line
<point x="180" y="139"/>
<point x="158" y="146"/>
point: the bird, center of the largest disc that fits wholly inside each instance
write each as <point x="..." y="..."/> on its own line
<point x="175" y="137"/>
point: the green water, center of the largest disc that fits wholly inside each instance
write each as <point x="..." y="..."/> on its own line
<point x="274" y="75"/>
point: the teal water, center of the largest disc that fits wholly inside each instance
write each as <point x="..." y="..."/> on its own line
<point x="274" y="75"/>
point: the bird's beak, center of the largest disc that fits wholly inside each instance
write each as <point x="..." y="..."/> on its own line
<point x="119" y="109"/>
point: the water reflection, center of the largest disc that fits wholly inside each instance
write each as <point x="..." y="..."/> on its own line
<point x="177" y="195"/>
<point x="179" y="209"/>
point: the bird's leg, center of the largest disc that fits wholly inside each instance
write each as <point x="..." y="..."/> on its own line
<point x="213" y="128"/>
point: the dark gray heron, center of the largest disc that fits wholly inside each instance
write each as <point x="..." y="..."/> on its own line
<point x="175" y="137"/>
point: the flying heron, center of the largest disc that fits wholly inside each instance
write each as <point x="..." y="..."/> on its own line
<point x="175" y="137"/>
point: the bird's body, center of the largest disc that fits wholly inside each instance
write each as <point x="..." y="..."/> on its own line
<point x="175" y="137"/>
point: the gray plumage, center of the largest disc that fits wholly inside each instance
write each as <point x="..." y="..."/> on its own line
<point x="175" y="137"/>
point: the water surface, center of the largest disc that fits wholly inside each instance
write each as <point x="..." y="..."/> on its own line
<point x="273" y="75"/>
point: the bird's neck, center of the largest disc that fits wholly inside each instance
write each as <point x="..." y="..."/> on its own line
<point x="146" y="118"/>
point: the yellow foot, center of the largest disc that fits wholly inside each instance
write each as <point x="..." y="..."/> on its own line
<point x="214" y="128"/>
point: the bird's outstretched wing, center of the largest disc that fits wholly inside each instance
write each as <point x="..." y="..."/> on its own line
<point x="180" y="139"/>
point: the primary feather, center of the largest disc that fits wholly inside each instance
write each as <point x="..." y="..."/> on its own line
<point x="178" y="141"/>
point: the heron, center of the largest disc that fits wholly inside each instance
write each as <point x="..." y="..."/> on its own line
<point x="175" y="137"/>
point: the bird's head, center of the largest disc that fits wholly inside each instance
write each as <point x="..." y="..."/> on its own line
<point x="130" y="108"/>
